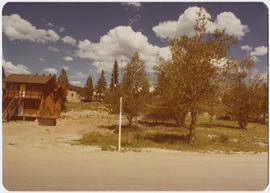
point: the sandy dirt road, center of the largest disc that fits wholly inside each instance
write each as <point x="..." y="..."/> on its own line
<point x="38" y="158"/>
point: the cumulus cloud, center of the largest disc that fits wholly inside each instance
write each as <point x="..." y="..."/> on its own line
<point x="120" y="43"/>
<point x="66" y="68"/>
<point x="76" y="82"/>
<point x="186" y="21"/>
<point x="50" y="70"/>
<point x="246" y="48"/>
<point x="259" y="51"/>
<point x="69" y="40"/>
<point x="68" y="58"/>
<point x="53" y="49"/>
<point x="15" y="69"/>
<point x="41" y="59"/>
<point x="17" y="28"/>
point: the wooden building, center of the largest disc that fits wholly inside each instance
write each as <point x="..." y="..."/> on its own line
<point x="30" y="97"/>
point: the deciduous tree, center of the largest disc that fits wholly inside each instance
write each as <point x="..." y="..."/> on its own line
<point x="135" y="87"/>
<point x="195" y="72"/>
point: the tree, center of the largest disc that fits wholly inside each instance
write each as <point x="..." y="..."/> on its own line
<point x="3" y="73"/>
<point x="135" y="87"/>
<point x="241" y="97"/>
<point x="88" y="89"/>
<point x="63" y="82"/>
<point x="101" y="86"/>
<point x="193" y="62"/>
<point x="113" y="94"/>
<point x="114" y="77"/>
<point x="170" y="97"/>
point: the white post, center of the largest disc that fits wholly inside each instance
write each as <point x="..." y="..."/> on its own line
<point x="120" y="120"/>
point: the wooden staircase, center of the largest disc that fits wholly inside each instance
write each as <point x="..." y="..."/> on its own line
<point x="9" y="108"/>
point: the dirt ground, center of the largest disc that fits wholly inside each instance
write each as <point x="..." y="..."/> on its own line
<point x="41" y="158"/>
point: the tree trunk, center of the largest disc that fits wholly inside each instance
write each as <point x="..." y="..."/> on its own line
<point x="129" y="118"/>
<point x="191" y="137"/>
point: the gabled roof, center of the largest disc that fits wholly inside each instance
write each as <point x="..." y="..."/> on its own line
<point x="23" y="78"/>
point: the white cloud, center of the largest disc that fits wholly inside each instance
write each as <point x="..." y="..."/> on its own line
<point x="186" y="21"/>
<point x="78" y="75"/>
<point x="17" y="28"/>
<point x="246" y="48"/>
<point x="68" y="58"/>
<point x="76" y="82"/>
<point x="53" y="49"/>
<point x="50" y="70"/>
<point x="259" y="51"/>
<point x="120" y="43"/>
<point x="255" y="59"/>
<point x="15" y="69"/>
<point x="132" y="4"/>
<point x="231" y="24"/>
<point x="69" y="40"/>
<point x="66" y="68"/>
<point x="41" y="59"/>
<point x="62" y="29"/>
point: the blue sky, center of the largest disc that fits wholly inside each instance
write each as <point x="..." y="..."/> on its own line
<point x="84" y="38"/>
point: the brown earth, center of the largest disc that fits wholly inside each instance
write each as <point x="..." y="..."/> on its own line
<point x="41" y="158"/>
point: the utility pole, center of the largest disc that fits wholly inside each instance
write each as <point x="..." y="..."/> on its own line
<point x="120" y="123"/>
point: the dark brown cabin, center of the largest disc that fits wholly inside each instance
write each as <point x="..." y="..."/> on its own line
<point x="30" y="97"/>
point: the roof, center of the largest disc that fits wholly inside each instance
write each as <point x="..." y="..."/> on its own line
<point x="23" y="78"/>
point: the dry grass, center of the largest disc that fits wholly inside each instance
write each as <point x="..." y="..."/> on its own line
<point x="223" y="136"/>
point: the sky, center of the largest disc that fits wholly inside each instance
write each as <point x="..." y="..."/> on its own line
<point x="84" y="38"/>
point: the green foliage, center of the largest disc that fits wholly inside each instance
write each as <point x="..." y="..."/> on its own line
<point x="114" y="78"/>
<point x="112" y="99"/>
<point x="239" y="94"/>
<point x="191" y="72"/>
<point x="101" y="86"/>
<point x="113" y="94"/>
<point x="88" y="90"/>
<point x="135" y="87"/>
<point x="63" y="82"/>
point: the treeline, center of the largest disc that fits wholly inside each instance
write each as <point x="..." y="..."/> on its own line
<point x="197" y="79"/>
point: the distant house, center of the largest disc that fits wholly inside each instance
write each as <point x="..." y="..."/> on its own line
<point x="30" y="97"/>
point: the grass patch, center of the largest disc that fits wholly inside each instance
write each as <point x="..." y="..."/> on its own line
<point x="223" y="135"/>
<point x="84" y="106"/>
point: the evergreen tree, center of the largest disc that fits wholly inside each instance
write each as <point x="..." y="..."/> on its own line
<point x="135" y="87"/>
<point x="63" y="82"/>
<point x="88" y="89"/>
<point x="114" y="78"/>
<point x="101" y="86"/>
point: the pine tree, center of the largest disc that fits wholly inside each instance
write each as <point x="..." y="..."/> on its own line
<point x="114" y="78"/>
<point x="101" y="86"/>
<point x="88" y="89"/>
<point x="63" y="82"/>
